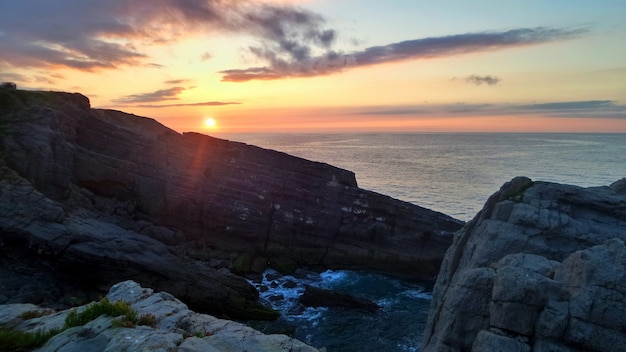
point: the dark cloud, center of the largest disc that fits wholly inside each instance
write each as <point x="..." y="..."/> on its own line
<point x="207" y="103"/>
<point x="96" y="34"/>
<point x="574" y="105"/>
<point x="159" y="95"/>
<point x="480" y="80"/>
<point x="294" y="42"/>
<point x="331" y="61"/>
<point x="135" y="100"/>
<point x="177" y="81"/>
<point x="571" y="109"/>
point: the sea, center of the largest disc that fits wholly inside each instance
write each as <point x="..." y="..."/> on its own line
<point x="453" y="173"/>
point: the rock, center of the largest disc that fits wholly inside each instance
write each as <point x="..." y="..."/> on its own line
<point x="90" y="197"/>
<point x="86" y="247"/>
<point x="619" y="186"/>
<point x="176" y="328"/>
<point x="8" y="85"/>
<point x="213" y="193"/>
<point x="317" y="297"/>
<point x="541" y="267"/>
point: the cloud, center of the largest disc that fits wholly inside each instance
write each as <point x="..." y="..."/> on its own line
<point x="136" y="100"/>
<point x="479" y="80"/>
<point x="207" y="103"/>
<point x="95" y="34"/>
<point x="571" y="109"/>
<point x="12" y="77"/>
<point x="159" y="95"/>
<point x="331" y="61"/>
<point x="573" y="105"/>
<point x="177" y="81"/>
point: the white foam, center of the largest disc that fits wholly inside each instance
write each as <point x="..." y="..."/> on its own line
<point x="417" y="293"/>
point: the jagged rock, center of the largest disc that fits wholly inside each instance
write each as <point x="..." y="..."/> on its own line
<point x="542" y="267"/>
<point x="219" y="194"/>
<point x="318" y="297"/>
<point x="176" y="328"/>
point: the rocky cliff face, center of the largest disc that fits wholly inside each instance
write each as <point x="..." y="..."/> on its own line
<point x="104" y="196"/>
<point x="541" y="268"/>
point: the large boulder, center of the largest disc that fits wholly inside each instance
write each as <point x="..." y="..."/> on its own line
<point x="542" y="267"/>
<point x="319" y="297"/>
<point x="174" y="327"/>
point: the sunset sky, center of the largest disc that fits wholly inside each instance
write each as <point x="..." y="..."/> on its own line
<point x="330" y="65"/>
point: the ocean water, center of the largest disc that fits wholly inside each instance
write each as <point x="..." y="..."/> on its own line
<point x="456" y="173"/>
<point x="450" y="173"/>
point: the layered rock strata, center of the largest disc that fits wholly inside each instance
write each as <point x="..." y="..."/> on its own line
<point x="542" y="267"/>
<point x="102" y="196"/>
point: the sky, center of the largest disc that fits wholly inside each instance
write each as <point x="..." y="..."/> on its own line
<point x="305" y="66"/>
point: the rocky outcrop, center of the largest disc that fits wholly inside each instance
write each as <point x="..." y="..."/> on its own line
<point x="85" y="246"/>
<point x="100" y="196"/>
<point x="174" y="327"/>
<point x="542" y="267"/>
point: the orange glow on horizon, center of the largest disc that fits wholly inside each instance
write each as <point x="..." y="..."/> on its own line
<point x="321" y="121"/>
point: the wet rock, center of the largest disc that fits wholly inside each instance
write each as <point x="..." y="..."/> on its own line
<point x="317" y="297"/>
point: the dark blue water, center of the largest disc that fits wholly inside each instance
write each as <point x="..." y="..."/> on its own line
<point x="451" y="173"/>
<point x="397" y="326"/>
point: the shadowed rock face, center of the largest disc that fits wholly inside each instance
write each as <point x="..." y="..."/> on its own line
<point x="111" y="175"/>
<point x="541" y="268"/>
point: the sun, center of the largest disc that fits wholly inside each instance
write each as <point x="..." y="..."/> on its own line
<point x="210" y="122"/>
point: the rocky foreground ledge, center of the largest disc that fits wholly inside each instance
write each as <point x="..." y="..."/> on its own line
<point x="171" y="327"/>
<point x="91" y="197"/>
<point x="542" y="268"/>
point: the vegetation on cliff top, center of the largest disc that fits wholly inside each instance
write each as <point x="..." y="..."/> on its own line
<point x="12" y="340"/>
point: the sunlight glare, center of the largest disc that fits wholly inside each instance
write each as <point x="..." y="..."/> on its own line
<point x="209" y="122"/>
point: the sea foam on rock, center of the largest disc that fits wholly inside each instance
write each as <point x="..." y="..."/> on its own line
<point x="542" y="267"/>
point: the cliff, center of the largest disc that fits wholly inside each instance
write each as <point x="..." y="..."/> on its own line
<point x="99" y="196"/>
<point x="542" y="267"/>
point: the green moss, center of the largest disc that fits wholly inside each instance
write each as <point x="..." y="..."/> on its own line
<point x="95" y="310"/>
<point x="12" y="340"/>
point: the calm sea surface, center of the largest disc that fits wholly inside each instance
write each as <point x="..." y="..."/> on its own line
<point x="450" y="173"/>
<point x="456" y="173"/>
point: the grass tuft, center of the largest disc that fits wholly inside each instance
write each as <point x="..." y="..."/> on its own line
<point x="12" y="340"/>
<point x="104" y="307"/>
